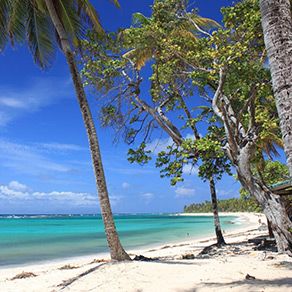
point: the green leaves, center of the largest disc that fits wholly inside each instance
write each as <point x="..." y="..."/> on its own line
<point x="40" y="37"/>
<point x="29" y="21"/>
<point x="140" y="155"/>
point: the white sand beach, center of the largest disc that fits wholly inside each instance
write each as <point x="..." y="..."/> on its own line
<point x="236" y="267"/>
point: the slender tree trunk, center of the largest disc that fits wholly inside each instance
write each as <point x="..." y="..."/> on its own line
<point x="277" y="27"/>
<point x="116" y="250"/>
<point x="176" y="136"/>
<point x="218" y="231"/>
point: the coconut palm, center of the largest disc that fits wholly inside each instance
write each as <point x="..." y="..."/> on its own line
<point x="45" y="24"/>
<point x="277" y="27"/>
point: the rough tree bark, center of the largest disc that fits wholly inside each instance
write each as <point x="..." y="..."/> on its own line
<point x="277" y="28"/>
<point x="116" y="250"/>
<point x="240" y="148"/>
<point x="272" y="205"/>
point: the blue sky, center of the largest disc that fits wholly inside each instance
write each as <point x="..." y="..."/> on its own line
<point x="45" y="163"/>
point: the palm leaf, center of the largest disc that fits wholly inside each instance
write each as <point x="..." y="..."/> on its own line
<point x="203" y="22"/>
<point x="4" y="8"/>
<point x="70" y="19"/>
<point x="139" y="18"/>
<point x="116" y="2"/>
<point x="139" y="56"/>
<point x="17" y="20"/>
<point x="40" y="36"/>
<point x="89" y="14"/>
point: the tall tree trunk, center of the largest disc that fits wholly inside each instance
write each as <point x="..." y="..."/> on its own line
<point x="116" y="250"/>
<point x="277" y="27"/>
<point x="271" y="203"/>
<point x="218" y="231"/>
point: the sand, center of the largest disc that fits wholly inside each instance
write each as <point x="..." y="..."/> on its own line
<point x="222" y="269"/>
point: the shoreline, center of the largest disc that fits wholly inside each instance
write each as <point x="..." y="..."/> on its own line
<point x="248" y="219"/>
<point x="222" y="272"/>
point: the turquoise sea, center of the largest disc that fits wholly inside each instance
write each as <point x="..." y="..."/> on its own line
<point x="26" y="238"/>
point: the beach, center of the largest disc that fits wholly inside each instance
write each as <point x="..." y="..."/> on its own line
<point x="236" y="267"/>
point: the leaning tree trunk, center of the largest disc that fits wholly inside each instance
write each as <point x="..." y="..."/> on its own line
<point x="176" y="136"/>
<point x="271" y="203"/>
<point x="116" y="250"/>
<point x="218" y="231"/>
<point x="277" y="27"/>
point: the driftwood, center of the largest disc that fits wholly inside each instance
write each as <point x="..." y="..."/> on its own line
<point x="144" y="259"/>
<point x="23" y="275"/>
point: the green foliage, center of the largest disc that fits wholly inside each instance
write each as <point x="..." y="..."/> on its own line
<point x="186" y="63"/>
<point x="270" y="172"/>
<point x="29" y="21"/>
<point x="274" y="172"/>
<point x="229" y="205"/>
<point x="206" y="152"/>
<point x="140" y="155"/>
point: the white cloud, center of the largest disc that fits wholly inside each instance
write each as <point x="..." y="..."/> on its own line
<point x="190" y="169"/>
<point x="39" y="94"/>
<point x="12" y="102"/>
<point x="158" y="145"/>
<point x="30" y="159"/>
<point x="147" y="197"/>
<point x="125" y="185"/>
<point x="15" y="185"/>
<point x="115" y="200"/>
<point x="132" y="171"/>
<point x="183" y="192"/>
<point x="226" y="193"/>
<point x="59" y="147"/>
<point x="9" y="193"/>
<point x="17" y="191"/>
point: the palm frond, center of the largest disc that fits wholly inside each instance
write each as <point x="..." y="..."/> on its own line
<point x="4" y="9"/>
<point x="202" y="22"/>
<point x="88" y="13"/>
<point x="116" y="2"/>
<point x="139" y="56"/>
<point x="67" y="13"/>
<point x="180" y="31"/>
<point x="17" y="19"/>
<point x="140" y="19"/>
<point x="40" y="36"/>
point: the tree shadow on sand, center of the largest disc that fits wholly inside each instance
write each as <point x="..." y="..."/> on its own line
<point x="254" y="283"/>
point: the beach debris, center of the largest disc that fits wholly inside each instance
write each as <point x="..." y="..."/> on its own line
<point x="23" y="275"/>
<point x="166" y="246"/>
<point x="249" y="277"/>
<point x="144" y="259"/>
<point x="188" y="256"/>
<point x="97" y="261"/>
<point x="68" y="267"/>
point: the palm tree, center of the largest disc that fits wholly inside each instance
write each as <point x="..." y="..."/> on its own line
<point x="43" y="24"/>
<point x="277" y="27"/>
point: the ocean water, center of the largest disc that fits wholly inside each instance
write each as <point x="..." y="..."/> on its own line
<point x="25" y="239"/>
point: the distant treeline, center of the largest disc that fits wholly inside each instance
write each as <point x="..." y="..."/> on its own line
<point x="229" y="205"/>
